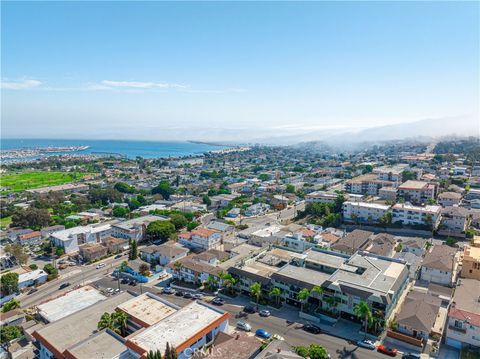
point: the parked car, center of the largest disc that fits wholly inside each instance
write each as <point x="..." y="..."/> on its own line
<point x="198" y="296"/>
<point x="387" y="350"/>
<point x="31" y="291"/>
<point x="264" y="313"/>
<point x="133" y="283"/>
<point x="110" y="290"/>
<point x="168" y="290"/>
<point x="311" y="328"/>
<point x="188" y="295"/>
<point x="262" y="333"/>
<point x="277" y="337"/>
<point x="100" y="265"/>
<point x="64" y="285"/>
<point x="179" y="293"/>
<point x="118" y="256"/>
<point x="249" y="309"/>
<point x="218" y="301"/>
<point x="124" y="281"/>
<point x="244" y="326"/>
<point x="365" y="343"/>
<point x="411" y="356"/>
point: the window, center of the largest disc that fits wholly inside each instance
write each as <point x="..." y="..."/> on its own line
<point x="458" y="324"/>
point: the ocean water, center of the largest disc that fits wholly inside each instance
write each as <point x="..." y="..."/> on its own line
<point x="131" y="149"/>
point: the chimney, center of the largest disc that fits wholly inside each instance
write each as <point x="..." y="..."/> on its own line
<point x="279" y="350"/>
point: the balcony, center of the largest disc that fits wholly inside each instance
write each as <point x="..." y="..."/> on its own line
<point x="457" y="329"/>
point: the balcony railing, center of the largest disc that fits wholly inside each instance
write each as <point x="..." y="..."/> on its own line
<point x="457" y="329"/>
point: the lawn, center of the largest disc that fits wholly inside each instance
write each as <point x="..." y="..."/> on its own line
<point x="16" y="182"/>
<point x="4" y="222"/>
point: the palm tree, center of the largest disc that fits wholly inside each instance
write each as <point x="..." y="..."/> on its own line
<point x="211" y="282"/>
<point x="256" y="291"/>
<point x="302" y="296"/>
<point x="362" y="311"/>
<point x="121" y="319"/>
<point x="177" y="266"/>
<point x="106" y="322"/>
<point x="275" y="292"/>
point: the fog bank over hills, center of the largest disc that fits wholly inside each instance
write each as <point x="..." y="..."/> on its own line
<point x="340" y="137"/>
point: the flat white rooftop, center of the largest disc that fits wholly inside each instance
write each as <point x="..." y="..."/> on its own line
<point x="148" y="309"/>
<point x="69" y="303"/>
<point x="178" y="327"/>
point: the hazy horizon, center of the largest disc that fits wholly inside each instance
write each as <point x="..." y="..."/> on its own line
<point x="236" y="71"/>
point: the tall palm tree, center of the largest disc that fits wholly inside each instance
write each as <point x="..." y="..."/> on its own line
<point x="302" y="296"/>
<point x="121" y="319"/>
<point x="276" y="293"/>
<point x="362" y="311"/>
<point x="107" y="322"/>
<point x="177" y="266"/>
<point x="211" y="282"/>
<point x="256" y="291"/>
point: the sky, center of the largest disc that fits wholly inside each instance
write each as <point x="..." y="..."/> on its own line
<point x="188" y="70"/>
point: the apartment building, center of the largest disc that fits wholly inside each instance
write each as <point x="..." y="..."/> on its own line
<point x="366" y="184"/>
<point x="417" y="192"/>
<point x="471" y="263"/>
<point x="463" y="329"/>
<point x="321" y="197"/>
<point x="455" y="219"/>
<point x="440" y="265"/>
<point x="410" y="215"/>
<point x="448" y="199"/>
<point x="363" y="212"/>
<point x="134" y="229"/>
<point x="70" y="239"/>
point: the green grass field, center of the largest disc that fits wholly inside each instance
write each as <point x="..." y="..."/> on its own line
<point x="15" y="182"/>
<point x="5" y="222"/>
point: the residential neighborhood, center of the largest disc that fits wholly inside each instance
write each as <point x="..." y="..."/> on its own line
<point x="398" y="259"/>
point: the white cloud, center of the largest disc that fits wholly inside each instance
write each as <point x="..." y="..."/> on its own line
<point x="20" y="84"/>
<point x="139" y="85"/>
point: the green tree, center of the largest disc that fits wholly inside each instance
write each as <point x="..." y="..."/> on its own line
<point x="316" y="351"/>
<point x="34" y="218"/>
<point x="33" y="266"/>
<point x="121" y="319"/>
<point x="192" y="225"/>
<point x="160" y="230"/>
<point x="9" y="333"/>
<point x="10" y="305"/>
<point x="206" y="200"/>
<point x="317" y="290"/>
<point x="154" y="354"/>
<point x="276" y="293"/>
<point x="120" y="212"/>
<point x="106" y="322"/>
<point x="362" y="311"/>
<point x="178" y="220"/>
<point x="256" y="291"/>
<point x="290" y="188"/>
<point x="302" y="296"/>
<point x="9" y="283"/>
<point x="133" y="251"/>
<point x="18" y="252"/>
<point x="124" y="187"/>
<point x="51" y="271"/>
<point x="164" y="189"/>
<point x="144" y="269"/>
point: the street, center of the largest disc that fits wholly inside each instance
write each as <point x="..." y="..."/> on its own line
<point x="275" y="324"/>
<point x="77" y="275"/>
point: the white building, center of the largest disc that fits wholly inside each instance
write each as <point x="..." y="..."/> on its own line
<point x="440" y="265"/>
<point x="321" y="197"/>
<point x="463" y="330"/>
<point x="32" y="278"/>
<point x="135" y="228"/>
<point x="365" y="212"/>
<point x="409" y="214"/>
<point x="192" y="327"/>
<point x="205" y="239"/>
<point x="70" y="239"/>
